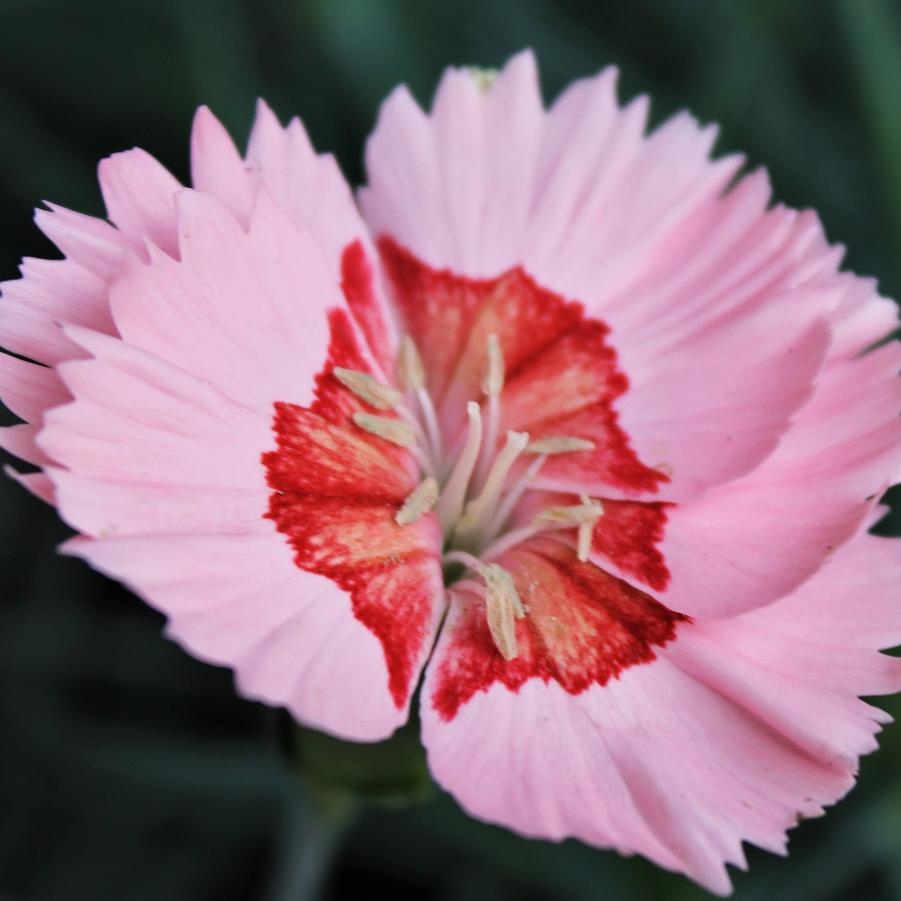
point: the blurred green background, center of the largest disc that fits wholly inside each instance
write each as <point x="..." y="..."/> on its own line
<point x="129" y="771"/>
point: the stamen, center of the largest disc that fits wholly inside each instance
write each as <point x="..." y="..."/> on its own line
<point x="567" y="517"/>
<point x="543" y="447"/>
<point x="559" y="444"/>
<point x="471" y="523"/>
<point x="418" y="503"/>
<point x="582" y="516"/>
<point x="410" y="371"/>
<point x="511" y="498"/>
<point x="451" y="504"/>
<point x="503" y="605"/>
<point x="586" y="529"/>
<point x="397" y="431"/>
<point x="382" y="397"/>
<point x="510" y="539"/>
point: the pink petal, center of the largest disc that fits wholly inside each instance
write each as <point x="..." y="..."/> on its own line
<point x="28" y="389"/>
<point x="140" y="198"/>
<point x="217" y="166"/>
<point x="737" y="730"/>
<point x="314" y="194"/>
<point x="711" y="299"/>
<point x="19" y="440"/>
<point x="165" y="475"/>
<point x="54" y="291"/>
<point x="761" y="536"/>
<point x="244" y="310"/>
<point x="108" y="507"/>
<point x="31" y="333"/>
<point x="290" y="636"/>
<point x="35" y="482"/>
<point x="90" y="242"/>
<point x="180" y="430"/>
<point x="309" y="187"/>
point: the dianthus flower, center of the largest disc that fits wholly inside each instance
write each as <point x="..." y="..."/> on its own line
<point x="565" y="414"/>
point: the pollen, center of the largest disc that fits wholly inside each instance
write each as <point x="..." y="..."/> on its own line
<point x="559" y="444"/>
<point x="576" y="515"/>
<point x="582" y="516"/>
<point x="503" y="607"/>
<point x="419" y="502"/>
<point x="397" y="431"/>
<point x="382" y="397"/>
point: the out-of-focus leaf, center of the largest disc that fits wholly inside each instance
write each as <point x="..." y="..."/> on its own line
<point x="873" y="33"/>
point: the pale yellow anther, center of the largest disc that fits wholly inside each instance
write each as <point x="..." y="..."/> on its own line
<point x="582" y="516"/>
<point x="418" y="503"/>
<point x="559" y="444"/>
<point x="484" y="78"/>
<point x="493" y="380"/>
<point x="586" y="529"/>
<point x="566" y="517"/>
<point x="397" y="431"/>
<point x="502" y="608"/>
<point x="382" y="397"/>
<point x="410" y="371"/>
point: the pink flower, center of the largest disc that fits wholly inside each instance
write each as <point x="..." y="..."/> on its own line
<point x="562" y="410"/>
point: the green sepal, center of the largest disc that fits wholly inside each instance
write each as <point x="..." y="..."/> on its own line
<point x="340" y="773"/>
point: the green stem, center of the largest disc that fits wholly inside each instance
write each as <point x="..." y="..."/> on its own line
<point x="309" y="844"/>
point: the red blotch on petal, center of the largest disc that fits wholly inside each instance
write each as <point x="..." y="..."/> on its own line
<point x="336" y="491"/>
<point x="583" y="627"/>
<point x="562" y="375"/>
<point x="390" y="572"/>
<point x="629" y="535"/>
<point x="358" y="286"/>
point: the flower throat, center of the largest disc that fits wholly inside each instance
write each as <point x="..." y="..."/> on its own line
<point x="475" y="484"/>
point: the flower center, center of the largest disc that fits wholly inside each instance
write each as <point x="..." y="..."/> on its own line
<point x="473" y="481"/>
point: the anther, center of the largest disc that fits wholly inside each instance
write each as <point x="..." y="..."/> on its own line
<point x="382" y="397"/>
<point x="418" y="503"/>
<point x="410" y="371"/>
<point x="565" y="517"/>
<point x="583" y="516"/>
<point x="586" y="529"/>
<point x="397" y="431"/>
<point x="559" y="444"/>
<point x="503" y="607"/>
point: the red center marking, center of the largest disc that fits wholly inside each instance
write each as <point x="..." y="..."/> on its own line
<point x="336" y="488"/>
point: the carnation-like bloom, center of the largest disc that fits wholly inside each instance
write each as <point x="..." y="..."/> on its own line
<point x="562" y="413"/>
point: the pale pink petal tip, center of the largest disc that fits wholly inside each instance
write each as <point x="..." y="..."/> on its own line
<point x="36" y="483"/>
